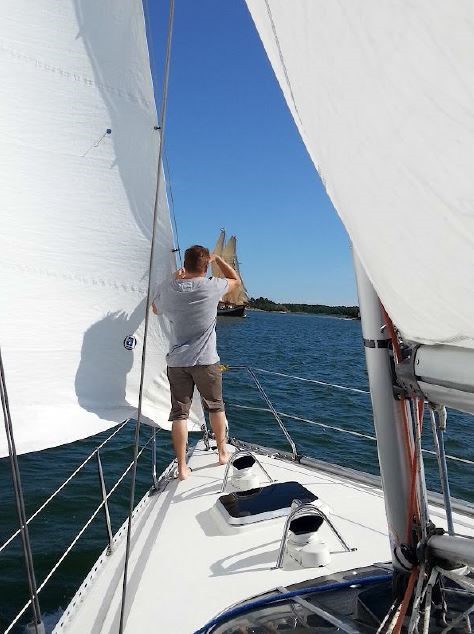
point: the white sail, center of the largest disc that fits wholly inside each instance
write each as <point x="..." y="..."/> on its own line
<point x="78" y="157"/>
<point x="382" y="94"/>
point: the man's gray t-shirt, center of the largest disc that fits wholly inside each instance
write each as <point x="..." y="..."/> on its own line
<point x="191" y="307"/>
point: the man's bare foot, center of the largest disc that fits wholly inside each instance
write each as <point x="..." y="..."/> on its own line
<point x="223" y="455"/>
<point x="184" y="472"/>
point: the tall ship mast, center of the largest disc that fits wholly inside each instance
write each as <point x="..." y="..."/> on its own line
<point x="233" y="304"/>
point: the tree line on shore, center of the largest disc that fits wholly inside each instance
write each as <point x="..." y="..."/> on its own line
<point x="263" y="303"/>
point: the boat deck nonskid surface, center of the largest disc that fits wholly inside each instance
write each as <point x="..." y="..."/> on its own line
<point x="186" y="566"/>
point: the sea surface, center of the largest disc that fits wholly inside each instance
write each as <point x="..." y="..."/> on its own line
<point x="327" y="349"/>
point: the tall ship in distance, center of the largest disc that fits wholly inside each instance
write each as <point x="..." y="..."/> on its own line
<point x="233" y="304"/>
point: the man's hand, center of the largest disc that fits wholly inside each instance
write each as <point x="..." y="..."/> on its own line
<point x="231" y="275"/>
<point x="179" y="274"/>
<point x="212" y="258"/>
<point x="154" y="308"/>
<point x="229" y="272"/>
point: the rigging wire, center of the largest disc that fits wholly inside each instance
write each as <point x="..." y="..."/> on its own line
<point x="275" y="414"/>
<point x="76" y="538"/>
<point x="418" y="410"/>
<point x="61" y="487"/>
<point x="161" y="125"/>
<point x="20" y="503"/>
<point x="351" y="432"/>
<point x="166" y="167"/>
<point x="172" y="207"/>
<point x="299" y="378"/>
<point x="438" y="423"/>
<point x="324" y="384"/>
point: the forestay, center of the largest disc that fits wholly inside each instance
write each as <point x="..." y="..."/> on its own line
<point x="382" y="94"/>
<point x="78" y="159"/>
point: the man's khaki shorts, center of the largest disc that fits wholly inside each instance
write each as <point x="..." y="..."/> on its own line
<point x="207" y="379"/>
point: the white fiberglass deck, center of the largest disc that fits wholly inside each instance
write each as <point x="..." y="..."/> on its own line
<point x="185" y="568"/>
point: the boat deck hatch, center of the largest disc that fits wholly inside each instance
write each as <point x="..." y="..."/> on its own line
<point x="256" y="505"/>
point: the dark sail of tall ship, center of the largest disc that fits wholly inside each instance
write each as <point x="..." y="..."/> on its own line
<point x="233" y="303"/>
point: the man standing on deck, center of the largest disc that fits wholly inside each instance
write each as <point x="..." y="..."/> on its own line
<point x="190" y="301"/>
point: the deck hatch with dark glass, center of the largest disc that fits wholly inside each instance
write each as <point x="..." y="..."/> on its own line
<point x="255" y="505"/>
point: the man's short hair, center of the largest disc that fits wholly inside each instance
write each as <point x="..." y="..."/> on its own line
<point x="196" y="259"/>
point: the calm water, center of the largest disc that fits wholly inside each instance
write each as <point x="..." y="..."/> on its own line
<point x="308" y="346"/>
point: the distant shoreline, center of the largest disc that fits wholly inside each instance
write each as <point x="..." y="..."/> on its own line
<point x="264" y="304"/>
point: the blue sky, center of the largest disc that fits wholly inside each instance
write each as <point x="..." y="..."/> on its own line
<point x="237" y="161"/>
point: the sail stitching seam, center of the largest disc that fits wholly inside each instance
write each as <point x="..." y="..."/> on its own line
<point x="282" y="60"/>
<point x="75" y="278"/>
<point x="45" y="66"/>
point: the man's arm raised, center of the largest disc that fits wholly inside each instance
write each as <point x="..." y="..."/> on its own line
<point x="230" y="274"/>
<point x="178" y="275"/>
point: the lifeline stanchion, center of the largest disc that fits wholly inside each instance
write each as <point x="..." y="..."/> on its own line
<point x="37" y="624"/>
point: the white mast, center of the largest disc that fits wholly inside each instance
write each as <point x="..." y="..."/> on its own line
<point x="393" y="458"/>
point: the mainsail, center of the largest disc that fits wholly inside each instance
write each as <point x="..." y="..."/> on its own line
<point x="381" y="92"/>
<point x="79" y="167"/>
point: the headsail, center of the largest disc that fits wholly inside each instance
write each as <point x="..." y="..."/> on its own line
<point x="79" y="168"/>
<point x="381" y="93"/>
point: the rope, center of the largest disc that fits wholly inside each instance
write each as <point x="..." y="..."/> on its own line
<point x="162" y="122"/>
<point x="59" y="489"/>
<point x="406" y="601"/>
<point x="76" y="539"/>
